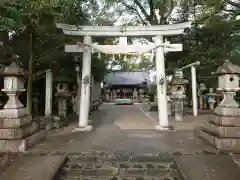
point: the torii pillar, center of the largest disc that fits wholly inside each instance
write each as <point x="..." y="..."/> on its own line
<point x="161" y="86"/>
<point x="85" y="87"/>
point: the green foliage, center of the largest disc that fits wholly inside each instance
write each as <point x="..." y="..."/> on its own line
<point x="215" y="38"/>
<point x="10" y="18"/>
<point x="98" y="68"/>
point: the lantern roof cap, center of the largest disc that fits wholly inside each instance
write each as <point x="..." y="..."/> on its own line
<point x="178" y="81"/>
<point x="13" y="69"/>
<point x="228" y="68"/>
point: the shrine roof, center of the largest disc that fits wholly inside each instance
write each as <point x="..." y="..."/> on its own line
<point x="127" y="78"/>
<point x="228" y="68"/>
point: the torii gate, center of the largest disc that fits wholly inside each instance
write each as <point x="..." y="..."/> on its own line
<point x="159" y="47"/>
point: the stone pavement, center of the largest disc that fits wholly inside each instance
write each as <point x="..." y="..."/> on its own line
<point x="189" y="121"/>
<point x="208" y="167"/>
<point x="111" y="135"/>
<point x="119" y="167"/>
<point x="125" y="145"/>
<point x="33" y="168"/>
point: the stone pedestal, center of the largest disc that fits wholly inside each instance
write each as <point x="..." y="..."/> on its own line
<point x="212" y="98"/>
<point x="16" y="127"/>
<point x="223" y="128"/>
<point x="178" y="107"/>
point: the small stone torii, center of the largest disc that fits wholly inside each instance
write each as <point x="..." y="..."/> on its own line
<point x="159" y="47"/>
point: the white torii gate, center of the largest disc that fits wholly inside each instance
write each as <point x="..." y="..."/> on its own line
<point x="159" y="47"/>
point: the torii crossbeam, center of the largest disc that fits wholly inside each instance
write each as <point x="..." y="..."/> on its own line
<point x="122" y="49"/>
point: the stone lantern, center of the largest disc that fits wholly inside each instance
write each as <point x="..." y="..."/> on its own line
<point x="223" y="127"/>
<point x="212" y="98"/>
<point x="16" y="125"/>
<point x="177" y="91"/>
<point x="228" y="83"/>
<point x="62" y="95"/>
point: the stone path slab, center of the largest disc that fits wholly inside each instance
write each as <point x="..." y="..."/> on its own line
<point x="189" y="121"/>
<point x="119" y="166"/>
<point x="107" y="136"/>
<point x="208" y="167"/>
<point x="33" y="168"/>
<point x="133" y="118"/>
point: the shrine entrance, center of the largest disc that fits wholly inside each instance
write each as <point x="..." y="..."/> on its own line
<point x="87" y="47"/>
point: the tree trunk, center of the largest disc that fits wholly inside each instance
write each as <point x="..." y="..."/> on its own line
<point x="30" y="70"/>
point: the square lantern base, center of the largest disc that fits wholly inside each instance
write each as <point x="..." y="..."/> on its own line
<point x="20" y="132"/>
<point x="21" y="145"/>
<point x="15" y="122"/>
<point x="223" y="144"/>
<point x="222" y="132"/>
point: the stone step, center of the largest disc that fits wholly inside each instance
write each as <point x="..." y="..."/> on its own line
<point x="121" y="169"/>
<point x="118" y="157"/>
<point x="33" y="168"/>
<point x="207" y="167"/>
<point x="110" y="167"/>
<point x="119" y="178"/>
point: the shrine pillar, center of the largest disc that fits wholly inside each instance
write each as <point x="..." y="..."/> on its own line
<point x="85" y="87"/>
<point x="194" y="91"/>
<point x="48" y="96"/>
<point x="161" y="86"/>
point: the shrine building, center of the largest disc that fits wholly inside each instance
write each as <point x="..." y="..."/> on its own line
<point x="126" y="85"/>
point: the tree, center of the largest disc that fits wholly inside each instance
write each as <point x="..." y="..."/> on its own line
<point x="215" y="36"/>
<point x="149" y="11"/>
<point x="33" y="21"/>
<point x="35" y="13"/>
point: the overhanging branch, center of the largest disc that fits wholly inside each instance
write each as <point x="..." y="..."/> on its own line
<point x="235" y="4"/>
<point x="142" y="9"/>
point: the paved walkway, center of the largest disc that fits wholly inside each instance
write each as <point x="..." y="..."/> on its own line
<point x="120" y="128"/>
<point x="189" y="123"/>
